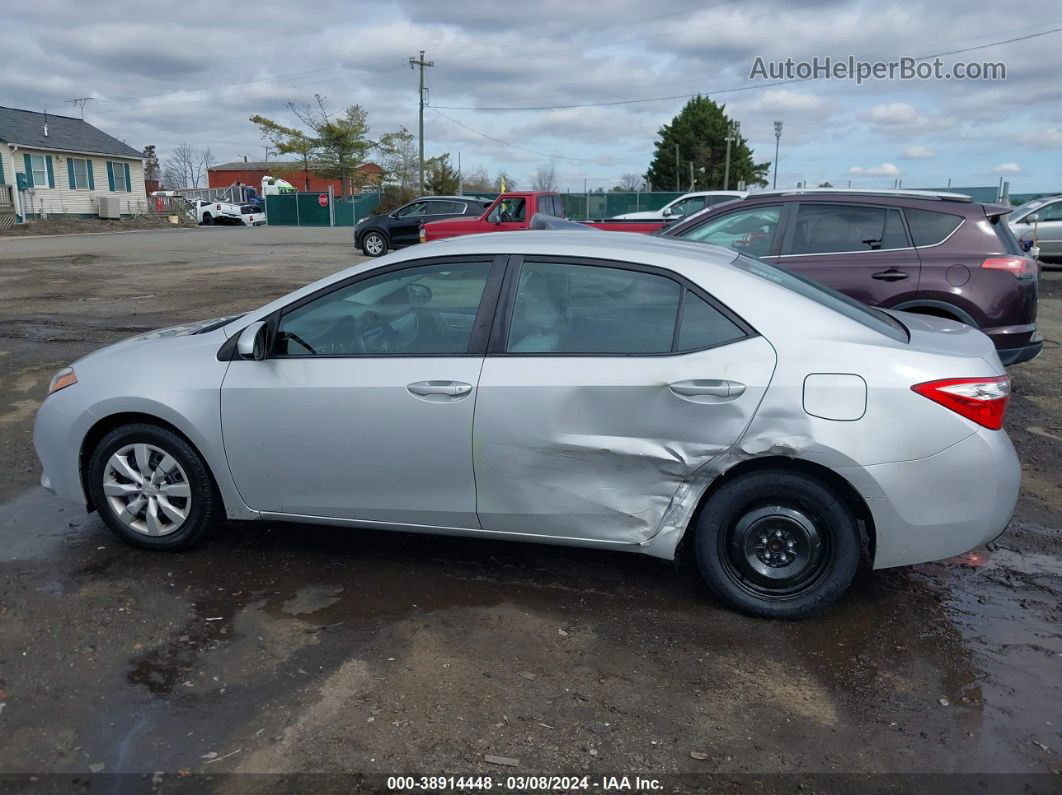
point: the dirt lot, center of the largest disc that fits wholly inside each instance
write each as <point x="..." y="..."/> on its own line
<point x="278" y="649"/>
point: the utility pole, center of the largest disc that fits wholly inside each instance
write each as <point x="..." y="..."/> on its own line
<point x="421" y="63"/>
<point x="732" y="135"/>
<point x="777" y="140"/>
<point x="80" y="103"/>
<point x="677" y="187"/>
<point x="692" y="181"/>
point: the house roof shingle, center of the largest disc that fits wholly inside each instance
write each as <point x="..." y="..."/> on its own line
<point x="26" y="128"/>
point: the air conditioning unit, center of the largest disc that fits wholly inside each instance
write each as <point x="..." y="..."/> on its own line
<point x="110" y="207"/>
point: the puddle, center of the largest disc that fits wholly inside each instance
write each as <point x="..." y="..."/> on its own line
<point x="36" y="523"/>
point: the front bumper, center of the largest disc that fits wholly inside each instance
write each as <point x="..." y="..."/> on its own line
<point x="938" y="507"/>
<point x="60" y="426"/>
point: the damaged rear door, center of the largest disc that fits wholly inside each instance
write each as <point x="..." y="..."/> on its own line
<point x="607" y="386"/>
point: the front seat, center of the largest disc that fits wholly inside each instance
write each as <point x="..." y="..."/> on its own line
<point x="538" y="319"/>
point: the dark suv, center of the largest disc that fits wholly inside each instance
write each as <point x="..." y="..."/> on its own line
<point x="378" y="233"/>
<point x="938" y="254"/>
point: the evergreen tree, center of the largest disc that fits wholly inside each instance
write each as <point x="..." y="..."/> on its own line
<point x="441" y="178"/>
<point x="699" y="131"/>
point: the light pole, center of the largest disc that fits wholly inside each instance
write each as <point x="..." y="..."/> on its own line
<point x="777" y="139"/>
<point x="731" y="135"/>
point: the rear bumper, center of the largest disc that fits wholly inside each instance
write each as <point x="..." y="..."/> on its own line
<point x="941" y="506"/>
<point x="1021" y="354"/>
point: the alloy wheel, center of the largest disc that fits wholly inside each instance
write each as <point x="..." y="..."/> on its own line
<point x="147" y="489"/>
<point x="374" y="245"/>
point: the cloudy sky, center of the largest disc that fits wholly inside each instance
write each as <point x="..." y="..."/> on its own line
<point x="194" y="71"/>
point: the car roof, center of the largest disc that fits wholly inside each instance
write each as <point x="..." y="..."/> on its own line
<point x="859" y="192"/>
<point x="715" y="193"/>
<point x="591" y="243"/>
<point x="449" y="198"/>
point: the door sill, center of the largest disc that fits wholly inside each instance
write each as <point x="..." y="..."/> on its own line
<point x="466" y="532"/>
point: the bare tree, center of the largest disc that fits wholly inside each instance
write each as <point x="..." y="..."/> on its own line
<point x="546" y="177"/>
<point x="399" y="160"/>
<point x="477" y="180"/>
<point x="630" y="182"/>
<point x="187" y="167"/>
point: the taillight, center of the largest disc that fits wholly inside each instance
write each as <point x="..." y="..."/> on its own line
<point x="983" y="400"/>
<point x="1019" y="266"/>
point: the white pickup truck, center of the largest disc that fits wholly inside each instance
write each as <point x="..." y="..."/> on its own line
<point x="687" y="204"/>
<point x="218" y="212"/>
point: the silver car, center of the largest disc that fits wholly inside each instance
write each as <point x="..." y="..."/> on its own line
<point x="1039" y="222"/>
<point x="600" y="390"/>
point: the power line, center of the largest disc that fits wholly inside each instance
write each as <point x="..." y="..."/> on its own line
<point x="710" y="92"/>
<point x="533" y="151"/>
<point x="464" y="54"/>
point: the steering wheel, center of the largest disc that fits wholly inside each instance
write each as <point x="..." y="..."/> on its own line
<point x="377" y="335"/>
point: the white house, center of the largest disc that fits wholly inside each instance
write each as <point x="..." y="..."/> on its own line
<point x="68" y="165"/>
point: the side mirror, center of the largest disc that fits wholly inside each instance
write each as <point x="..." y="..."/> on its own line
<point x="252" y="342"/>
<point x="667" y="212"/>
<point x="1032" y="218"/>
<point x="495" y="216"/>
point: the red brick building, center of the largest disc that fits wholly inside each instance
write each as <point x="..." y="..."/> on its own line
<point x="250" y="172"/>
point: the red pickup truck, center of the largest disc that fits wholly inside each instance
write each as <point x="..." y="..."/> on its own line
<point x="514" y="211"/>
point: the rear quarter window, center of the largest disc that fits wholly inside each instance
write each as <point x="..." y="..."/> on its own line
<point x="929" y="228"/>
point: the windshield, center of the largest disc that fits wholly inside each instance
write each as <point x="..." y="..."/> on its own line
<point x="868" y="316"/>
<point x="1022" y="209"/>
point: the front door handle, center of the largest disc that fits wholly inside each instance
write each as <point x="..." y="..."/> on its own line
<point x="891" y="275"/>
<point x="714" y="390"/>
<point x="436" y="390"/>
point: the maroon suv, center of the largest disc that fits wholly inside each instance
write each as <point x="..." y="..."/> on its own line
<point x="937" y="254"/>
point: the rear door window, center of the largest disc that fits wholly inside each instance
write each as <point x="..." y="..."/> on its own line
<point x="568" y="308"/>
<point x="446" y="208"/>
<point x="928" y="228"/>
<point x="845" y="228"/>
<point x="563" y="308"/>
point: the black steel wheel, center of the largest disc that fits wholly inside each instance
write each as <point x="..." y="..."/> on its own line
<point x="777" y="544"/>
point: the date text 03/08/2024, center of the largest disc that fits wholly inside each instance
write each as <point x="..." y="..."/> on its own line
<point x="523" y="783"/>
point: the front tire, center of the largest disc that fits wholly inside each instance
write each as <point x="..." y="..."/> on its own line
<point x="208" y="219"/>
<point x="374" y="244"/>
<point x="152" y="488"/>
<point x="777" y="544"/>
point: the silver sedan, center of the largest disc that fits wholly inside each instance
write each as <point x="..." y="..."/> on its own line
<point x="600" y="390"/>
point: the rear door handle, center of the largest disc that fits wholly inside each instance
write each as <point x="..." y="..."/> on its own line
<point x="707" y="388"/>
<point x="439" y="390"/>
<point x="891" y="275"/>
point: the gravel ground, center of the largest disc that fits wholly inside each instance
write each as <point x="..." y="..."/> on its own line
<point x="276" y="649"/>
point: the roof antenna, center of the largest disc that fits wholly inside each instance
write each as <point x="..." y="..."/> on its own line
<point x="80" y="103"/>
<point x="45" y="122"/>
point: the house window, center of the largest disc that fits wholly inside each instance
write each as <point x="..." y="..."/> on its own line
<point x="119" y="177"/>
<point x="39" y="170"/>
<point x="80" y="171"/>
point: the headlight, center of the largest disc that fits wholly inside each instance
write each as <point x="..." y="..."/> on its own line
<point x="62" y="380"/>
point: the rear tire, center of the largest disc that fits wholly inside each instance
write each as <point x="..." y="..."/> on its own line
<point x="777" y="544"/>
<point x="152" y="488"/>
<point x="374" y="244"/>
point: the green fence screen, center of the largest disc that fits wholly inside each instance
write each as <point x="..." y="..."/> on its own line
<point x="304" y="209"/>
